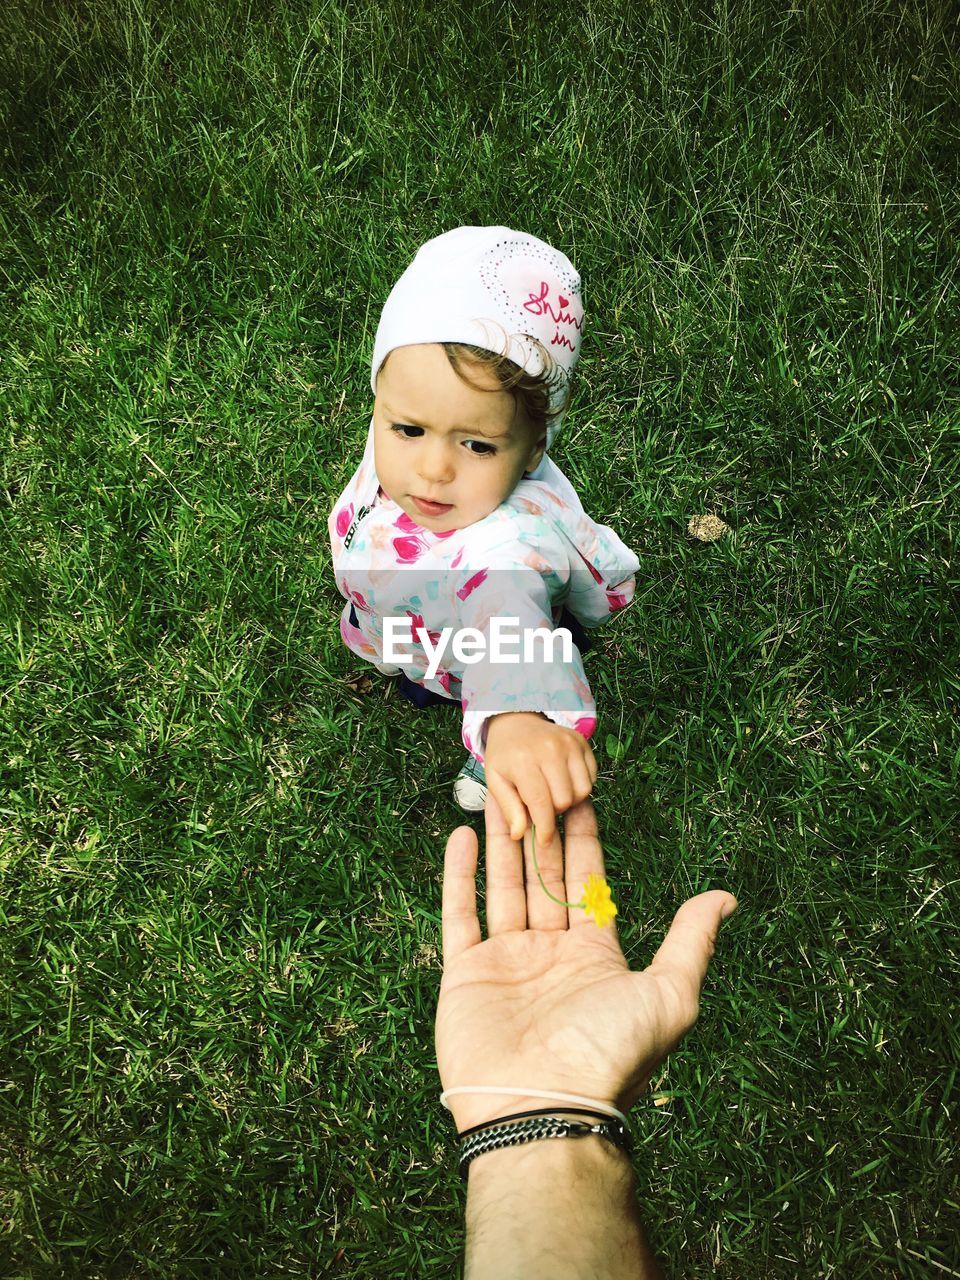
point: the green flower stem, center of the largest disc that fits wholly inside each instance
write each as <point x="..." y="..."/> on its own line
<point x="533" y="850"/>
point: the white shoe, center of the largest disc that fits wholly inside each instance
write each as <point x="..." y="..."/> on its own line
<point x="470" y="788"/>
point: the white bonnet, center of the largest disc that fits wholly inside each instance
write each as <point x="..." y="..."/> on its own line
<point x="493" y="288"/>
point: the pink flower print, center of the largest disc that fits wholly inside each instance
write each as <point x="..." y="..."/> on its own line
<point x="585" y="726"/>
<point x="409" y="549"/>
<point x="443" y="678"/>
<point x="354" y="638"/>
<point x="456" y="559"/>
<point x="616" y="600"/>
<point x="417" y="625"/>
<point x="471" y="584"/>
<point x="355" y="596"/>
<point x="474" y="749"/>
<point x="534" y="508"/>
<point x="416" y="543"/>
<point x="344" y="516"/>
<point x="597" y="576"/>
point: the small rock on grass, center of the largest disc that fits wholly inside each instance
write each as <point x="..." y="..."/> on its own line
<point x="707" y="528"/>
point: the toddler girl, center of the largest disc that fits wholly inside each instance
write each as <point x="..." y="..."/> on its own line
<point x="456" y="518"/>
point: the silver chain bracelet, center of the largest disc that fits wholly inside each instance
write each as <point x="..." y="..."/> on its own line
<point x="511" y="1135"/>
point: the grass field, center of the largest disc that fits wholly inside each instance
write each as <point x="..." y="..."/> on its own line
<point x="221" y="852"/>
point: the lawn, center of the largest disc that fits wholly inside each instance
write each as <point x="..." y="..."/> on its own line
<point x="221" y="843"/>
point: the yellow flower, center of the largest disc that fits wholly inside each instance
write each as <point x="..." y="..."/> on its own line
<point x="597" y="901"/>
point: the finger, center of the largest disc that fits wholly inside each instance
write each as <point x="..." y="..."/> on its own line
<point x="557" y="778"/>
<point x="685" y="953"/>
<point x="506" y="892"/>
<point x="460" y="926"/>
<point x="542" y="911"/>
<point x="537" y="797"/>
<point x="580" y="779"/>
<point x="583" y="858"/>
<point x="511" y="805"/>
<point x="591" y="760"/>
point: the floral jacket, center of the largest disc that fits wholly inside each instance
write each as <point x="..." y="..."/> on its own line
<point x="535" y="555"/>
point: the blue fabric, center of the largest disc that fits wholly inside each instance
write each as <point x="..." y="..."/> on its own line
<point x="419" y="696"/>
<point x="580" y="637"/>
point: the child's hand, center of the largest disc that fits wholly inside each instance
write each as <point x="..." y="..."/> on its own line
<point x="536" y="769"/>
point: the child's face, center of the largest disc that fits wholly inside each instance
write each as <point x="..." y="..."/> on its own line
<point x="439" y="441"/>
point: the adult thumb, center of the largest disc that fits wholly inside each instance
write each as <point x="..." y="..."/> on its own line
<point x="686" y="951"/>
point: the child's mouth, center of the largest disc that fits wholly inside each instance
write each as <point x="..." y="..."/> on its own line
<point x="432" y="508"/>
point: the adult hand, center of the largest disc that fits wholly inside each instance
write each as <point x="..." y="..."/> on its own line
<point x="547" y="1000"/>
<point x="536" y="769"/>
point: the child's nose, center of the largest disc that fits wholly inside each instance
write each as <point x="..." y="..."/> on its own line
<point x="435" y="463"/>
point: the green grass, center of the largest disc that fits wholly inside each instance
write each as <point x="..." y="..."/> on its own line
<point x="220" y="860"/>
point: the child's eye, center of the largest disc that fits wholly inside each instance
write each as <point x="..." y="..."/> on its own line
<point x="482" y="450"/>
<point x="403" y="430"/>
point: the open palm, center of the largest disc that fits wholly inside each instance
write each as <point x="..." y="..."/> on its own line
<point x="547" y="1000"/>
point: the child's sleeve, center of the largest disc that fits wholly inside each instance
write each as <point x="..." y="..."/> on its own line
<point x="518" y="602"/>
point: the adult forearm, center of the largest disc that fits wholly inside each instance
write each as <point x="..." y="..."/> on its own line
<point x="555" y="1209"/>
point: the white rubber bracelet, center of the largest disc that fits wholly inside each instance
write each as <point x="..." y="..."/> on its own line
<point x="604" y="1108"/>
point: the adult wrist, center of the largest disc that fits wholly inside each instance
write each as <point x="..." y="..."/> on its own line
<point x="470" y="1110"/>
<point x="536" y="1126"/>
<point x="590" y="1155"/>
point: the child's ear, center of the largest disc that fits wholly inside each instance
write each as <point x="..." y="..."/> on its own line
<point x="537" y="456"/>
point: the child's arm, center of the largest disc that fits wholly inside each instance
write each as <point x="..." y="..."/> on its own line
<point x="528" y="720"/>
<point x="536" y="769"/>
